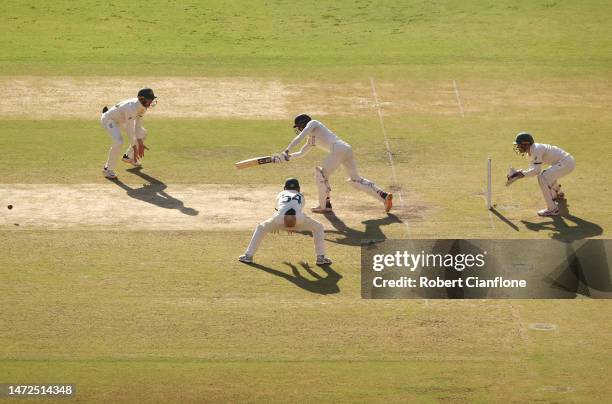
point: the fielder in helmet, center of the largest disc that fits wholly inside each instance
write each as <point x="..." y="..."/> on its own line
<point x="289" y="216"/>
<point x="127" y="116"/>
<point x="340" y="154"/>
<point x="560" y="164"/>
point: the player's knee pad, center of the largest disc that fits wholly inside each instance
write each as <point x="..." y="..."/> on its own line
<point x="117" y="142"/>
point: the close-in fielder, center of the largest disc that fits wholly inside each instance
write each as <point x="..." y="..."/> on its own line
<point x="288" y="216"/>
<point x="127" y="116"/>
<point x="340" y="153"/>
<point x="561" y="163"/>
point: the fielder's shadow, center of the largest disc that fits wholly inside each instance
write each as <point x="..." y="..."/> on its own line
<point x="155" y="193"/>
<point x="561" y="229"/>
<point x="350" y="236"/>
<point x="322" y="285"/>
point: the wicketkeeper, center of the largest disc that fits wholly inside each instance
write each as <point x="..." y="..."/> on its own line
<point x="560" y="162"/>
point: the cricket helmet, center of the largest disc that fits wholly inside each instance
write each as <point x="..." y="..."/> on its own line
<point x="292" y="184"/>
<point x="523" y="142"/>
<point x="146" y="97"/>
<point x="301" y="120"/>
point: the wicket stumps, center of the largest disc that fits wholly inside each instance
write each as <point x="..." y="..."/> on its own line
<point x="489" y="185"/>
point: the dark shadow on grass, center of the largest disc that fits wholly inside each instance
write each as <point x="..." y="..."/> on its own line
<point x="561" y="229"/>
<point x="504" y="219"/>
<point x="155" y="193"/>
<point x="321" y="285"/>
<point x="372" y="232"/>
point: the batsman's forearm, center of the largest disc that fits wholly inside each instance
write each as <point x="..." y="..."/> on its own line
<point x="302" y="151"/>
<point x="296" y="140"/>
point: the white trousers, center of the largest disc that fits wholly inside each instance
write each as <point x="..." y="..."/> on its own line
<point x="276" y="222"/>
<point x="117" y="141"/>
<point x="547" y="179"/>
<point x="341" y="153"/>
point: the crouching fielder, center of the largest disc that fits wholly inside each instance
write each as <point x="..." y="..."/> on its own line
<point x="126" y="116"/>
<point x="561" y="163"/>
<point x="289" y="216"/>
<point x="340" y="153"/>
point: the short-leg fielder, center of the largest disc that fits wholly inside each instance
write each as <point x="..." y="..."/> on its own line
<point x="288" y="216"/>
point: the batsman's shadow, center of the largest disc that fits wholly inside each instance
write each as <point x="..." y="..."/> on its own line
<point x="155" y="193"/>
<point x="323" y="285"/>
<point x="353" y="237"/>
<point x="562" y="230"/>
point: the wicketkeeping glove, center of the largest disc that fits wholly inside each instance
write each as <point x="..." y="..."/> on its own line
<point x="512" y="176"/>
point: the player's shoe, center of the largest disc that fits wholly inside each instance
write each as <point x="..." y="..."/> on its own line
<point x="110" y="174"/>
<point x="323" y="260"/>
<point x="388" y="202"/>
<point x="247" y="259"/>
<point x="326" y="209"/>
<point x="129" y="160"/>
<point x="549" y="212"/>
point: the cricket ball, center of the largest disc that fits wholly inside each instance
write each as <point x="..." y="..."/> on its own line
<point x="10" y="207"/>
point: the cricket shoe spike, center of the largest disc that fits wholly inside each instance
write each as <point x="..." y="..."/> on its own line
<point x="323" y="260"/>
<point x="129" y="160"/>
<point x="548" y="212"/>
<point x="110" y="174"/>
<point x="247" y="259"/>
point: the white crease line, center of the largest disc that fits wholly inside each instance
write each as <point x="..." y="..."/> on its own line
<point x="458" y="98"/>
<point x="388" y="146"/>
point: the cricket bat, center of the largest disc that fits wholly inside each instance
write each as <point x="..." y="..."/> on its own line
<point x="254" y="162"/>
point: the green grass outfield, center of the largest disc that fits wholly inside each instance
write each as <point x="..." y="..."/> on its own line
<point x="282" y="38"/>
<point x="163" y="315"/>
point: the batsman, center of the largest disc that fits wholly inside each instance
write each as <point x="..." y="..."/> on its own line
<point x="340" y="153"/>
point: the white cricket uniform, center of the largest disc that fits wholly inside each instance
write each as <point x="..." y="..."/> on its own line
<point x="286" y="200"/>
<point x="127" y="116"/>
<point x="561" y="163"/>
<point x="340" y="153"/>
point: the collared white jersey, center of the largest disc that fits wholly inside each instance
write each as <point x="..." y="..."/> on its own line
<point x="125" y="111"/>
<point x="289" y="199"/>
<point x="126" y="114"/>
<point x="544" y="154"/>
<point x="318" y="135"/>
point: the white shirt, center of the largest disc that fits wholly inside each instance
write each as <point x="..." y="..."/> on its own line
<point x="289" y="199"/>
<point x="543" y="153"/>
<point x="127" y="114"/>
<point x="317" y="135"/>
